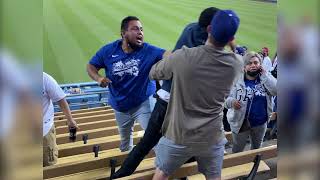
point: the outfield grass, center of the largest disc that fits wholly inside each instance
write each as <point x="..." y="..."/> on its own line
<point x="75" y="29"/>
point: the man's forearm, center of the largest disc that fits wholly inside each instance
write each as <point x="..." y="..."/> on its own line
<point x="65" y="108"/>
<point x="93" y="72"/>
<point x="159" y="71"/>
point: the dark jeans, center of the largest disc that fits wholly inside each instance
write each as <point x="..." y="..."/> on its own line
<point x="150" y="138"/>
<point x="226" y="125"/>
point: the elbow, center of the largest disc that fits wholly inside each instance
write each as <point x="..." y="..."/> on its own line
<point x="92" y="70"/>
<point x="62" y="103"/>
<point x="89" y="67"/>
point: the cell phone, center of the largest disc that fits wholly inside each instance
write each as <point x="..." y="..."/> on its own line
<point x="260" y="70"/>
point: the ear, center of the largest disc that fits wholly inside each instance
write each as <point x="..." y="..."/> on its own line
<point x="122" y="34"/>
<point x="209" y="29"/>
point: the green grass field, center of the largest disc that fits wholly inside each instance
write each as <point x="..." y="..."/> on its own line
<point x="75" y="29"/>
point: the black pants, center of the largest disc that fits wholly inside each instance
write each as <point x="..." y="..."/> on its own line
<point x="226" y="125"/>
<point x="150" y="138"/>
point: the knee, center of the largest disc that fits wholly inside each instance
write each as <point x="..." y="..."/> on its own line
<point x="160" y="175"/>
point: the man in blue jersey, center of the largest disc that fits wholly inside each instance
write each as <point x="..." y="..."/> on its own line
<point x="127" y="63"/>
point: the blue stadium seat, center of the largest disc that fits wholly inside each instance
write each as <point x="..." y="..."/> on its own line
<point x="83" y="98"/>
<point x="93" y="96"/>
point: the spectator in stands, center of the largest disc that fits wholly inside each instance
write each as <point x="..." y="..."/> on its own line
<point x="266" y="61"/>
<point x="202" y="77"/>
<point x="127" y="63"/>
<point x="250" y="103"/>
<point x="193" y="35"/>
<point x="52" y="92"/>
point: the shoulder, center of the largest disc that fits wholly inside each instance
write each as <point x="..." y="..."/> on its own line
<point x="186" y="50"/>
<point x="149" y="47"/>
<point x="191" y="27"/>
<point x="186" y="53"/>
<point x="49" y="80"/>
<point x="192" y="52"/>
<point x="112" y="45"/>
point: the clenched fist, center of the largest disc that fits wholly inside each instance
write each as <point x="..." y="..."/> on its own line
<point x="103" y="81"/>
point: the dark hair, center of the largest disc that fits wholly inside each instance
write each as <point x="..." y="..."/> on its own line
<point x="206" y="16"/>
<point x="126" y="20"/>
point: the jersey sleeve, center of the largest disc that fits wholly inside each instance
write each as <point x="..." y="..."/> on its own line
<point x="53" y="89"/>
<point x="158" y="52"/>
<point x="98" y="59"/>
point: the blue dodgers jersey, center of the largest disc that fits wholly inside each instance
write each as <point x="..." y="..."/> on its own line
<point x="129" y="73"/>
<point x="258" y="112"/>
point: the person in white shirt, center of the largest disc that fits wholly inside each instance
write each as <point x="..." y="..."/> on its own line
<point x="266" y="62"/>
<point x="52" y="92"/>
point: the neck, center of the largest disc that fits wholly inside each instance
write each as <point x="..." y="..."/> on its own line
<point x="125" y="47"/>
<point x="209" y="43"/>
<point x="250" y="77"/>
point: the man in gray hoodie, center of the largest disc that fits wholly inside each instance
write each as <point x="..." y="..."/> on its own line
<point x="201" y="81"/>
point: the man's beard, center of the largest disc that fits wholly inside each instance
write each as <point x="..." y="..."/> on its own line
<point x="134" y="46"/>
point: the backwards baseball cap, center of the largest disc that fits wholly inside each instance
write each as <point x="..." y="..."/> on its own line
<point x="224" y="24"/>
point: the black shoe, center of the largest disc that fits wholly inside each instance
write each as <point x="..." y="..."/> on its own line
<point x="121" y="173"/>
<point x="192" y="159"/>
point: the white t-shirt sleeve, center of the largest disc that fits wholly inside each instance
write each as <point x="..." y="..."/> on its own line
<point x="267" y="64"/>
<point x="54" y="91"/>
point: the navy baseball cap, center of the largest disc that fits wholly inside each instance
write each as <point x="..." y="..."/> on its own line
<point x="224" y="25"/>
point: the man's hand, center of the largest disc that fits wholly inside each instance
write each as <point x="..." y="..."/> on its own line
<point x="236" y="105"/>
<point x="273" y="116"/>
<point x="262" y="71"/>
<point x="103" y="81"/>
<point x="72" y="123"/>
